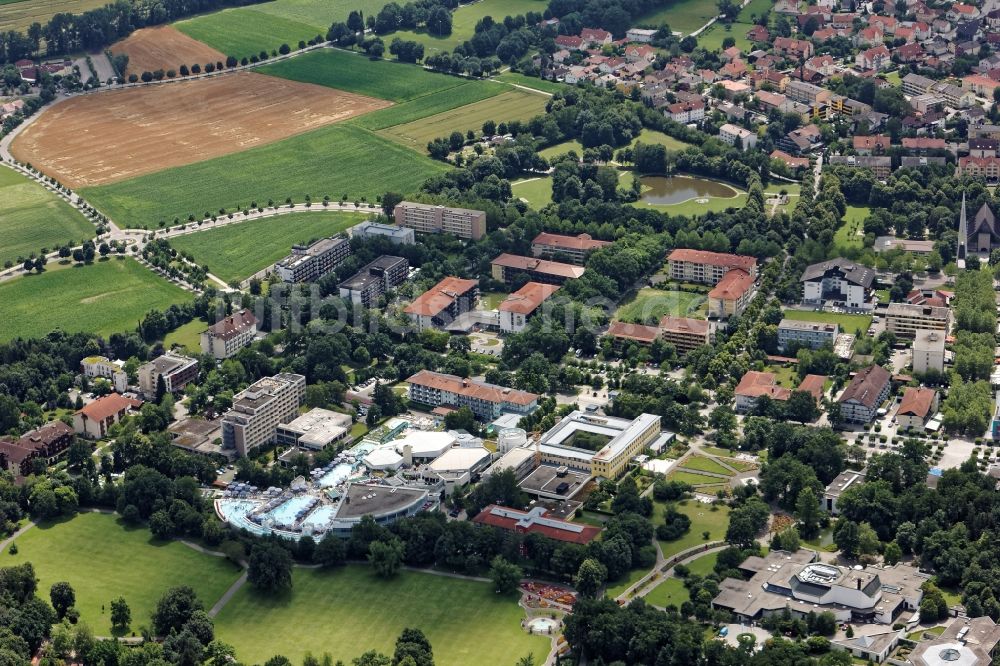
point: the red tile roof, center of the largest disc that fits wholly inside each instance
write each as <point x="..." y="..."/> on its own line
<point x="812" y="384"/>
<point x="527" y="299"/>
<point x="916" y="402"/>
<point x="233" y="325"/>
<point x="870" y="142"/>
<point x="582" y="242"/>
<point x="637" y="332"/>
<point x="755" y="384"/>
<point x="539" y="266"/>
<point x="440" y="297"/>
<point x="732" y="286"/>
<point x="713" y="259"/>
<point x="471" y="388"/>
<point x="529" y="522"/>
<point x="109" y="405"/>
<point x="684" y="325"/>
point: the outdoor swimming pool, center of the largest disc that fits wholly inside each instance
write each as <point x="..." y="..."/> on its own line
<point x="284" y="514"/>
<point x="336" y="476"/>
<point x="319" y="518"/>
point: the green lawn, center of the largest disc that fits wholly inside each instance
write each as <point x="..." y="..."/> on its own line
<point x="491" y="300"/>
<point x="105" y="297"/>
<point x="464" y="21"/>
<point x="331" y="161"/>
<point x="103" y="560"/>
<point x="513" y="104"/>
<point x="691" y="478"/>
<point x="659" y="139"/>
<point x="32" y="218"/>
<point x="531" y="82"/>
<point x="350" y="610"/>
<point x="684" y="16"/>
<point x="536" y="191"/>
<point x="786" y="375"/>
<point x="562" y="148"/>
<point x="705" y="464"/>
<point x="243" y="31"/>
<point x="848" y="236"/>
<point x="237" y="251"/>
<point x="849" y="323"/>
<point x="651" y="305"/>
<point x="711" y="39"/>
<point x="630" y="579"/>
<point x="672" y="590"/>
<point x="703" y="517"/>
<point x="465" y="94"/>
<point x="187" y="336"/>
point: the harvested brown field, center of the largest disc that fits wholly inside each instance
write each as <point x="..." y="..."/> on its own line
<point x="113" y="136"/>
<point x="164" y="47"/>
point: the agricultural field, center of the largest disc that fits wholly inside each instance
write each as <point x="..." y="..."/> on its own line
<point x="683" y="16"/>
<point x="100" y="139"/>
<point x="704" y="517"/>
<point x="464" y="20"/>
<point x="333" y="161"/>
<point x="536" y="191"/>
<point x="163" y="47"/>
<point x="31" y="218"/>
<point x="515" y="78"/>
<point x="511" y="105"/>
<point x="88" y="551"/>
<point x="237" y="251"/>
<point x="243" y="31"/>
<point x="650" y="305"/>
<point x="105" y="297"/>
<point x="849" y="323"/>
<point x="428" y="105"/>
<point x="22" y="13"/>
<point x="465" y="621"/>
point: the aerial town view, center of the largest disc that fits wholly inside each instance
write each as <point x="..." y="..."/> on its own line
<point x="499" y="332"/>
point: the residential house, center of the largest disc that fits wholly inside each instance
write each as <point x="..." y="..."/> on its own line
<point x="443" y="303"/>
<point x="928" y="351"/>
<point x="793" y="163"/>
<point x="519" y="307"/>
<point x="796" y="49"/>
<point x="871" y="145"/>
<point x="227" y="336"/>
<point x="595" y="37"/>
<point x="96" y="418"/>
<point x="918" y="405"/>
<point x="862" y="398"/>
<point x="876" y="58"/>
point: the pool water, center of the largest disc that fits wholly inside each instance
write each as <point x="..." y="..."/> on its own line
<point x="284" y="514"/>
<point x="336" y="476"/>
<point x="319" y="518"/>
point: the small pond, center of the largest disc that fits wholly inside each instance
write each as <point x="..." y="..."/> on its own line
<point x="677" y="189"/>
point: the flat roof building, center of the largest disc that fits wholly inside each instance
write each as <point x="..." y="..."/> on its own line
<point x="518" y="307"/>
<point x="227" y="336"/>
<point x="626" y="438"/>
<point x="846" y="479"/>
<point x="811" y="334"/>
<point x="177" y="372"/>
<point x="315" y="430"/>
<point x="434" y="219"/>
<point x="397" y="234"/>
<point x="364" y="287"/>
<point x="965" y="642"/>
<point x="308" y="263"/>
<point x="507" y="267"/>
<point x="928" y="351"/>
<point x="258" y="410"/>
<point x="443" y="303"/>
<point x="905" y="319"/>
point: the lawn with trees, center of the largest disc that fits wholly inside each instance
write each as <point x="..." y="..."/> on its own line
<point x="464" y="20"/>
<point x="348" y="609"/>
<point x="237" y="251"/>
<point x="102" y="561"/>
<point x="104" y="297"/>
<point x="650" y="305"/>
<point x="704" y="517"/>
<point x="32" y="218"/>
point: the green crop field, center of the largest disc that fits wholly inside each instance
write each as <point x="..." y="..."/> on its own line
<point x="103" y="560"/>
<point x="242" y="31"/>
<point x="18" y="15"/>
<point x="350" y="610"/>
<point x="684" y="16"/>
<point x="534" y="82"/>
<point x="651" y="305"/>
<point x="31" y="218"/>
<point x="704" y="517"/>
<point x="464" y="20"/>
<point x="105" y="297"/>
<point x="237" y="251"/>
<point x="511" y="105"/>
<point x="849" y="323"/>
<point x="469" y="92"/>
<point x="332" y="161"/>
<point x="356" y="73"/>
<point x="536" y="191"/>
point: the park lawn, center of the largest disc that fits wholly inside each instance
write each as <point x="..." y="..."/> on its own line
<point x="627" y="581"/>
<point x="562" y="148"/>
<point x="105" y="297"/>
<point x="754" y="10"/>
<point x="653" y="137"/>
<point x="691" y="478"/>
<point x="187" y="336"/>
<point x="741" y="465"/>
<point x="714" y="519"/>
<point x="893" y="78"/>
<point x="536" y="191"/>
<point x="32" y="218"/>
<point x="705" y="464"/>
<point x="847" y="237"/>
<point x="350" y="610"/>
<point x="516" y="78"/>
<point x="242" y="31"/>
<point x="463" y="23"/>
<point x="103" y="560"/>
<point x="670" y="592"/>
<point x="849" y="323"/>
<point x="357" y="73"/>
<point x="717" y="451"/>
<point x="683" y="16"/>
<point x="650" y="305"/>
<point x="236" y="251"/>
<point x="332" y="161"/>
<point x="510" y="105"/>
<point x="711" y="39"/>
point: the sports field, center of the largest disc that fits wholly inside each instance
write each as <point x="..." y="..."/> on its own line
<point x="243" y="31"/>
<point x="332" y="161"/>
<point x="684" y="16"/>
<point x="849" y="323"/>
<point x="511" y="105"/>
<point x="105" y="297"/>
<point x="350" y="610"/>
<point x="651" y="305"/>
<point x="20" y="15"/>
<point x="31" y="218"/>
<point x="163" y="47"/>
<point x="464" y="20"/>
<point x="110" y="137"/>
<point x="703" y="518"/>
<point x="237" y="251"/>
<point x="103" y="560"/>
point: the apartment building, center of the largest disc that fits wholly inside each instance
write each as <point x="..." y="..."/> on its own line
<point x="707" y="267"/>
<point x="917" y="406"/>
<point x="905" y="319"/>
<point x="227" y="336"/>
<point x="96" y="418"/>
<point x="915" y="84"/>
<point x="879" y="165"/>
<point x="507" y="267"/>
<point x="487" y="401"/>
<point x="520" y="306"/>
<point x="928" y="351"/>
<point x="433" y="219"/>
<point x="396" y="234"/>
<point x="840" y="281"/>
<point x="731" y="296"/>
<point x="364" y="287"/>
<point x="176" y="370"/>
<point x="865" y="394"/>
<point x="812" y="334"/>
<point x="258" y="410"/>
<point x="101" y="366"/>
<point x="308" y="263"/>
<point x="737" y="136"/>
<point x="987" y="168"/>
<point x="443" y="303"/>
<point x="47" y="443"/>
<point x="573" y="249"/>
<point x="684" y="333"/>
